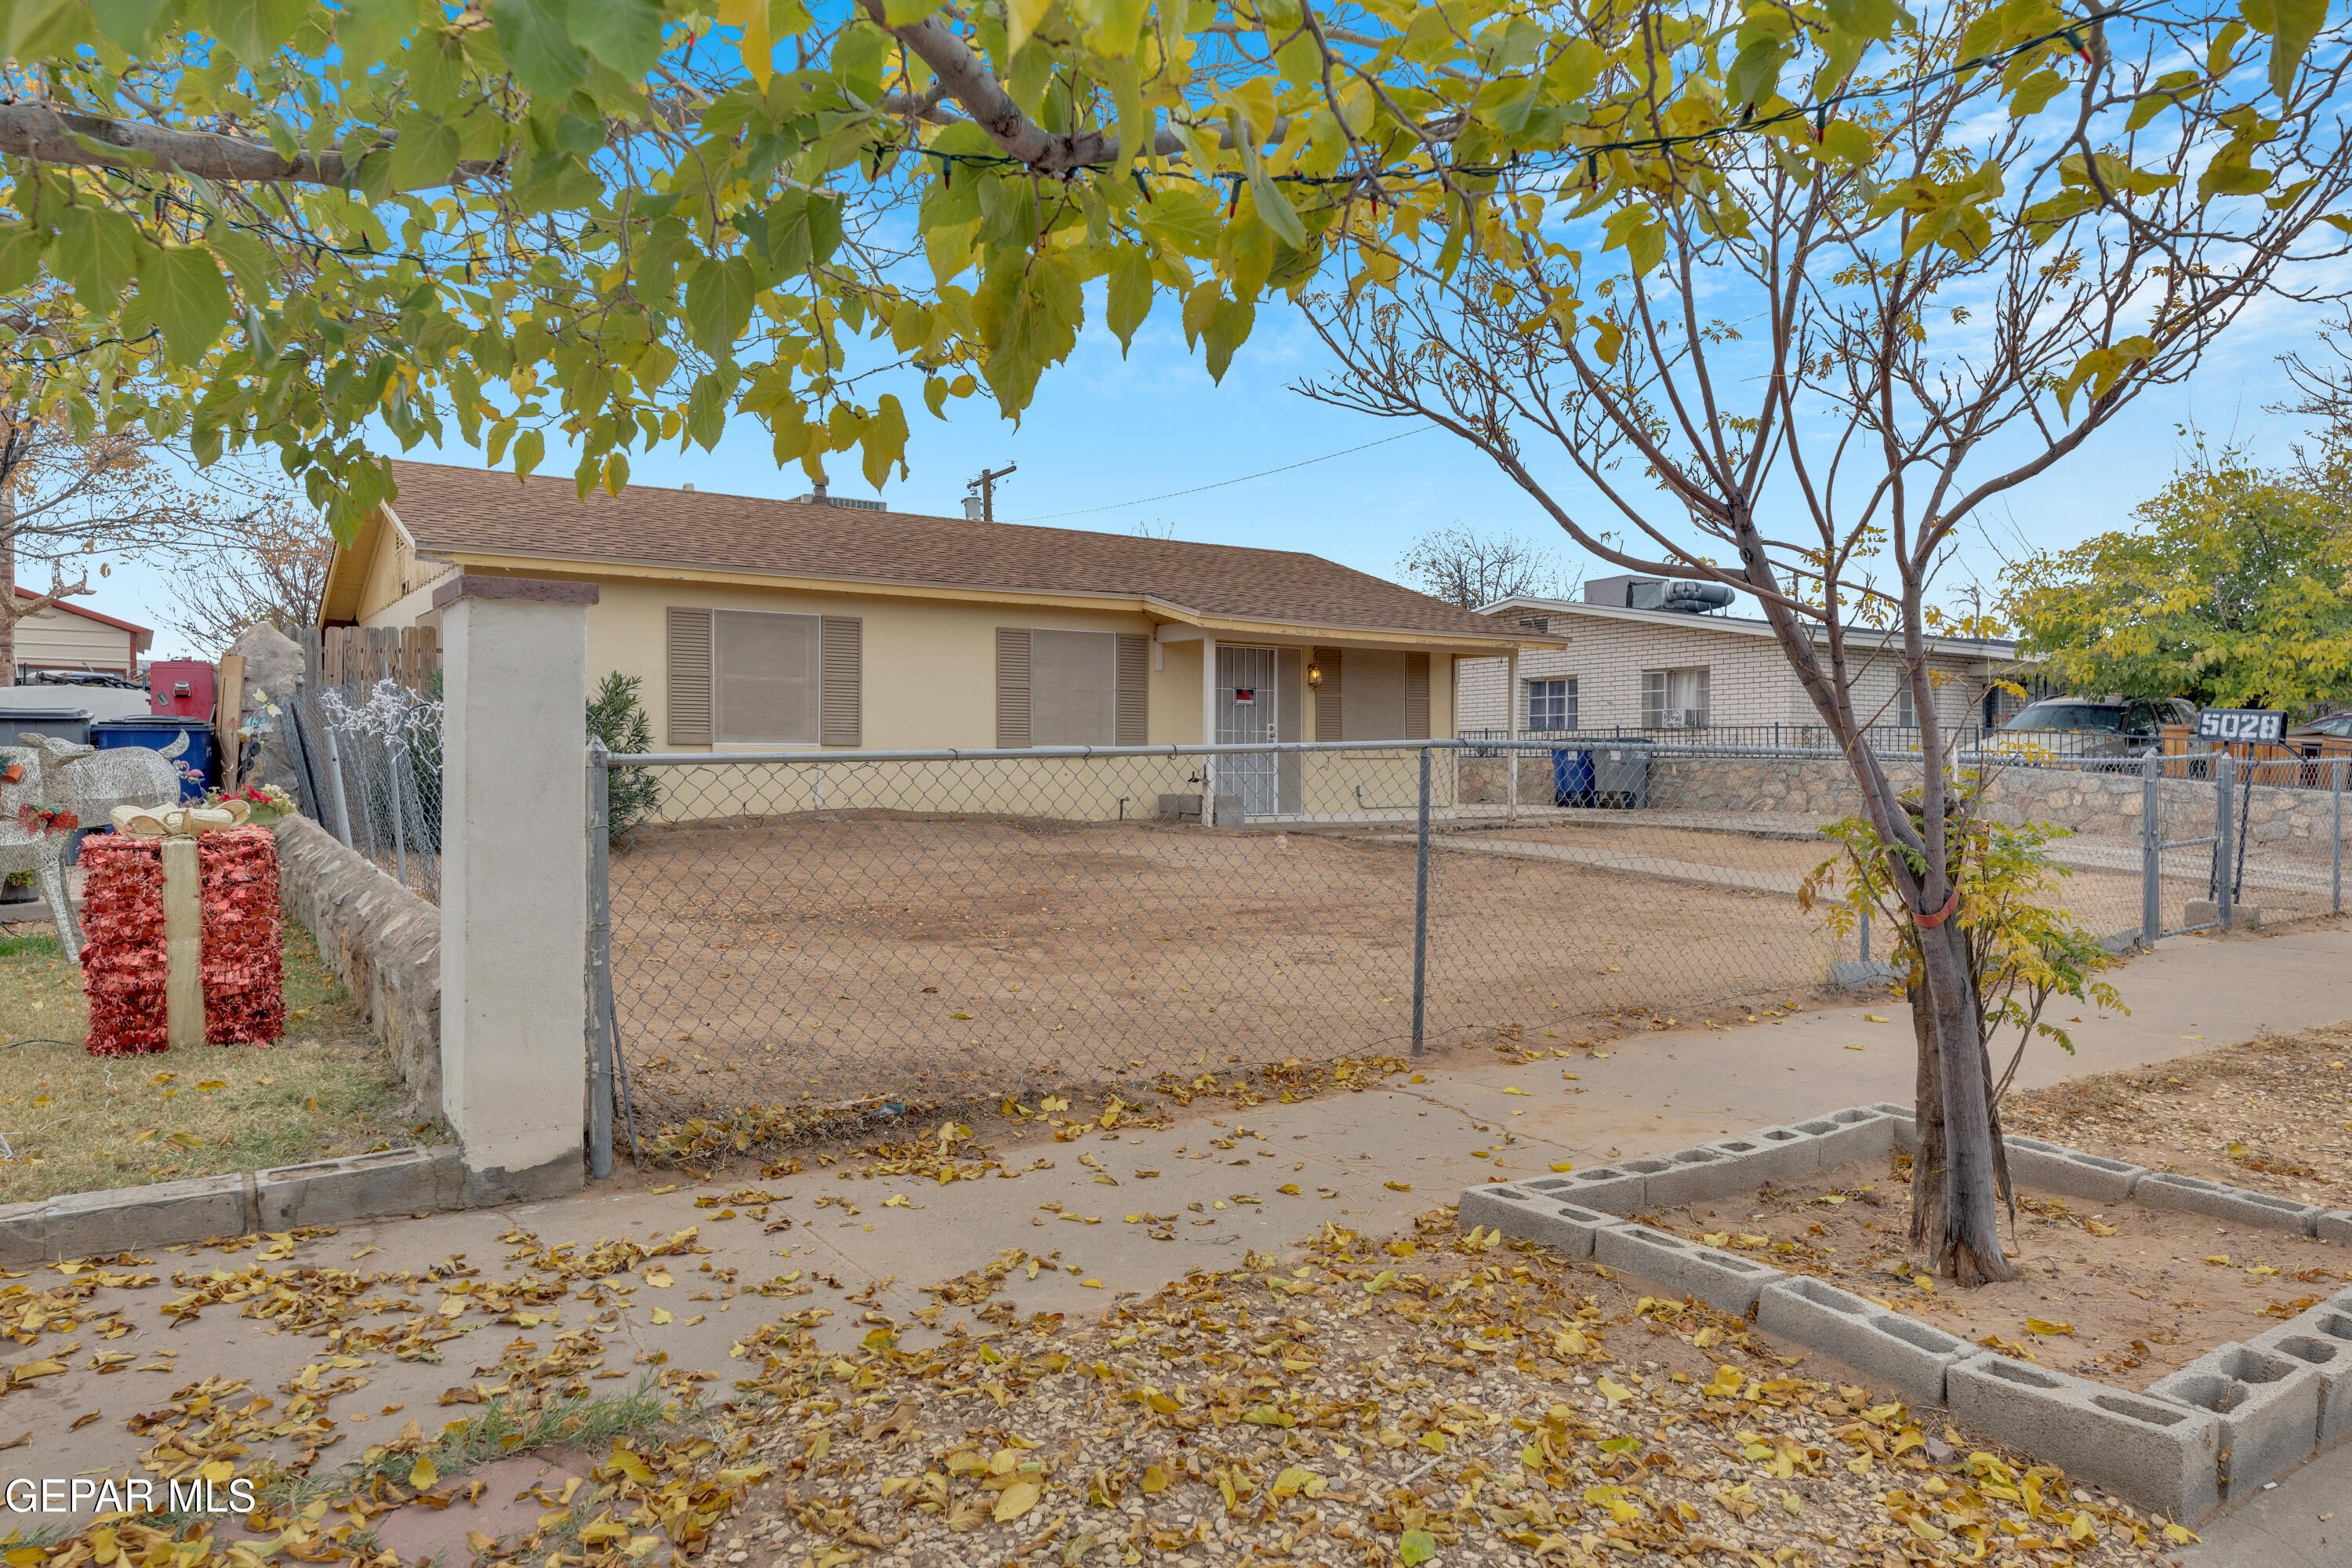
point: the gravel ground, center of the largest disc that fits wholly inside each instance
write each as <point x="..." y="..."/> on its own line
<point x="1423" y="1398"/>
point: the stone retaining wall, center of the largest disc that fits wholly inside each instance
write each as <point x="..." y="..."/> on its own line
<point x="383" y="941"/>
<point x="2094" y="804"/>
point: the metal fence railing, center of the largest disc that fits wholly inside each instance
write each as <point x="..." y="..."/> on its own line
<point x="369" y="757"/>
<point x="809" y="930"/>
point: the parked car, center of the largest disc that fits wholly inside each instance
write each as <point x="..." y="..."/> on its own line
<point x="2090" y="727"/>
<point x="2334" y="727"/>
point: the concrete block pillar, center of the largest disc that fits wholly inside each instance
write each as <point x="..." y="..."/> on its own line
<point x="514" y="880"/>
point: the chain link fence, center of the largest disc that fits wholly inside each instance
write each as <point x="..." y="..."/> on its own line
<point x="804" y="929"/>
<point x="371" y="758"/>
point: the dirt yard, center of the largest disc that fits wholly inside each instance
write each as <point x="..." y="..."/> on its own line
<point x="2112" y="1291"/>
<point x="776" y="959"/>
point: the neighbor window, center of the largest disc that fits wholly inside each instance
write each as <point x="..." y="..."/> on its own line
<point x="1906" y="711"/>
<point x="1551" y="704"/>
<point x="1674" y="698"/>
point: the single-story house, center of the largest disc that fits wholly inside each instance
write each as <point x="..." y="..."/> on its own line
<point x="1633" y="660"/>
<point x="67" y="636"/>
<point x="767" y="625"/>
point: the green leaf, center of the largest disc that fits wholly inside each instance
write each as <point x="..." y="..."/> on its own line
<point x="20" y="258"/>
<point x="537" y="46"/>
<point x="1129" y="291"/>
<point x="530" y="451"/>
<point x="180" y="289"/>
<point x="1415" y="1547"/>
<point x="254" y="30"/>
<point x="624" y="34"/>
<point x="98" y="252"/>
<point x="2291" y="25"/>
<point x="803" y="230"/>
<point x="2034" y="92"/>
<point x="424" y="155"/>
<point x="719" y="300"/>
<point x="1227" y="330"/>
<point x="128" y="24"/>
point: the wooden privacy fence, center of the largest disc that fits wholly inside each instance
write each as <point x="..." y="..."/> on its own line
<point x="361" y="656"/>
<point x="2302" y="762"/>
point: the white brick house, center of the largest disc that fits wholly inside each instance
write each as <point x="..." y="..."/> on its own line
<point x="1627" y="668"/>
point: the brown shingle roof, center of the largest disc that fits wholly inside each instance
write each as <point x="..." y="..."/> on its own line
<point x="447" y="509"/>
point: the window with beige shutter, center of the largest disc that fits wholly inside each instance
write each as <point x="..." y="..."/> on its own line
<point x="1376" y="695"/>
<point x="765" y="673"/>
<point x="1058" y="688"/>
<point x="764" y="678"/>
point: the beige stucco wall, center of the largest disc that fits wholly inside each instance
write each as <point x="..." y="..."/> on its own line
<point x="928" y="682"/>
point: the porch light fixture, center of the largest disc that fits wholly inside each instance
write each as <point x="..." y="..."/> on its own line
<point x="1314" y="673"/>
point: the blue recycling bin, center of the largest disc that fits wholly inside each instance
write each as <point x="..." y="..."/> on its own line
<point x="186" y="740"/>
<point x="1572" y="777"/>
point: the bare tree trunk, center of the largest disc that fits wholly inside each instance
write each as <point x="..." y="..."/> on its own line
<point x="1964" y="1236"/>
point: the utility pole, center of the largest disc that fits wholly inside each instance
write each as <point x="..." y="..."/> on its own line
<point x="986" y="486"/>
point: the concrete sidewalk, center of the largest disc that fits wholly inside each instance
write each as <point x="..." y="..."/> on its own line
<point x="1213" y="1180"/>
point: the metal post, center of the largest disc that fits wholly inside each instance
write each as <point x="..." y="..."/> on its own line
<point x="600" y="964"/>
<point x="2223" y="835"/>
<point x="342" y="801"/>
<point x="1866" y="933"/>
<point x="298" y="749"/>
<point x="2336" y="839"/>
<point x="1420" y="909"/>
<point x="2151" y="856"/>
<point x="395" y="762"/>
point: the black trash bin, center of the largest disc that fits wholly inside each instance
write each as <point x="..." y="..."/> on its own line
<point x="64" y="723"/>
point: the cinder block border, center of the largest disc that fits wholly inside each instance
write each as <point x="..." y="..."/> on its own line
<point x="2215" y="1431"/>
<point x="324" y="1192"/>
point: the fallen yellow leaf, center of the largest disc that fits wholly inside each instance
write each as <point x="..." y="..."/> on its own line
<point x="2043" y="1326"/>
<point x="661" y="1315"/>
<point x="1563" y="1165"/>
<point x="1515" y="1090"/>
<point x="1398" y="1186"/>
<point x="1021" y="1496"/>
<point x="1874" y="1019"/>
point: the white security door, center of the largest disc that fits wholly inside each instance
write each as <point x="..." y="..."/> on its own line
<point x="1245" y="716"/>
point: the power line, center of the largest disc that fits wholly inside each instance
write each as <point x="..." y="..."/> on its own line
<point x="1221" y="484"/>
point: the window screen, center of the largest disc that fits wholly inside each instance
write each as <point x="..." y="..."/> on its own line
<point x="766" y="683"/>
<point x="1674" y="698"/>
<point x="1375" y="705"/>
<point x="1552" y="705"/>
<point x="1073" y="688"/>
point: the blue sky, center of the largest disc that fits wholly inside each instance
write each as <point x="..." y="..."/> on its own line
<point x="1108" y="429"/>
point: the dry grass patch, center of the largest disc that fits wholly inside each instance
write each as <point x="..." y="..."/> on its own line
<point x="74" y="1122"/>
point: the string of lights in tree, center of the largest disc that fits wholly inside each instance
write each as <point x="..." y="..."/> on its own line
<point x="1592" y="153"/>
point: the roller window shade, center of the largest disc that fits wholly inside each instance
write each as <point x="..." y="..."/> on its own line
<point x="1375" y="706"/>
<point x="1073" y="688"/>
<point x="1416" y="696"/>
<point x="1330" y="711"/>
<point x="1133" y="701"/>
<point x="765" y="677"/>
<point x="1012" y="687"/>
<point x="844" y="673"/>
<point x="689" y="676"/>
